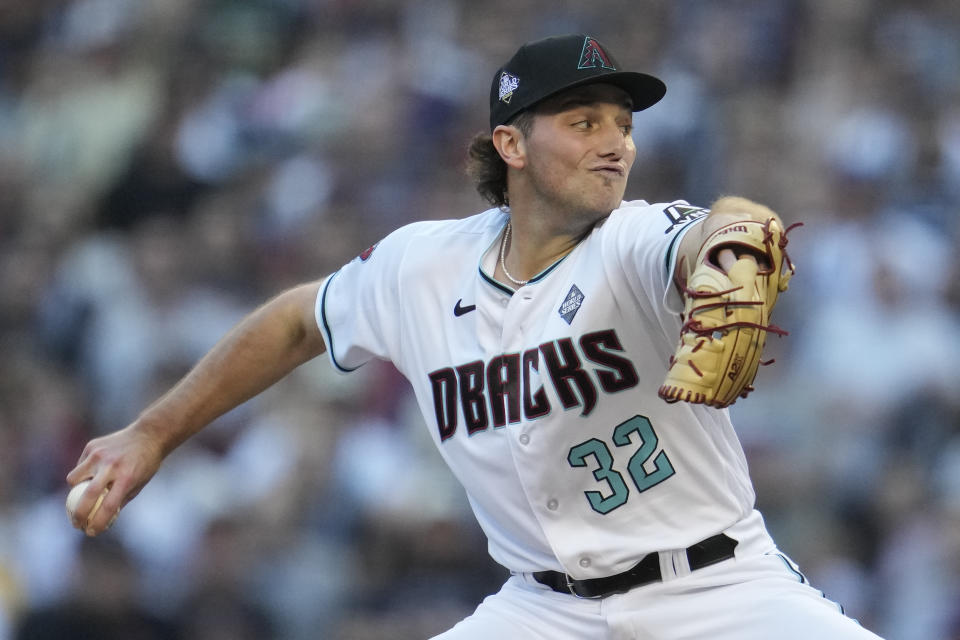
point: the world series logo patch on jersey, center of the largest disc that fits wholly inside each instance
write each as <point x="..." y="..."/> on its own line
<point x="508" y="84"/>
<point x="571" y="304"/>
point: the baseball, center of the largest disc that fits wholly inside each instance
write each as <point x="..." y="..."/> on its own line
<point x="73" y="499"/>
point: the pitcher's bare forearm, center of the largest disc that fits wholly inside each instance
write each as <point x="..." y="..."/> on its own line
<point x="263" y="348"/>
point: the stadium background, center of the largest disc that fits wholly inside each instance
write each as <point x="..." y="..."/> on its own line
<point x="165" y="165"/>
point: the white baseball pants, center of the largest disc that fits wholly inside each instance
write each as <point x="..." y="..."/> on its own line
<point x="758" y="595"/>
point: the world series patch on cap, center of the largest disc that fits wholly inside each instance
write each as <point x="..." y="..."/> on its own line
<point x="545" y="67"/>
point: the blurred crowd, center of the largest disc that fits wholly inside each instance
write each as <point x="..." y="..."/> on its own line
<point x="166" y="165"/>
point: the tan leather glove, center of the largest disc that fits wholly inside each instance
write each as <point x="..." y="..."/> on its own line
<point x="727" y="314"/>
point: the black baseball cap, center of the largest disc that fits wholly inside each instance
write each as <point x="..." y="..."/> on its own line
<point x="545" y="67"/>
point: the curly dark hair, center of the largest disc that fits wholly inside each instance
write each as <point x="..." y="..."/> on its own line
<point x="485" y="166"/>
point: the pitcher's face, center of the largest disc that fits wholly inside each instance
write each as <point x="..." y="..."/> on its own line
<point x="580" y="151"/>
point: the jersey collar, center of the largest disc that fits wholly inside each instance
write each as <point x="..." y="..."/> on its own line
<point x="488" y="261"/>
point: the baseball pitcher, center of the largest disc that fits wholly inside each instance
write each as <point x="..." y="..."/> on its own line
<point x="573" y="355"/>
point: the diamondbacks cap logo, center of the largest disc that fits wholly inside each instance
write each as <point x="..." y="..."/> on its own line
<point x="593" y="56"/>
<point x="508" y="84"/>
<point x="571" y="304"/>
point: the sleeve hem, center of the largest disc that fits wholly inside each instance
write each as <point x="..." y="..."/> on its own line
<point x="324" y="325"/>
<point x="672" y="299"/>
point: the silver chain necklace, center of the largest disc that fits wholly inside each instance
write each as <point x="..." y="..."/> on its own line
<point x="503" y="256"/>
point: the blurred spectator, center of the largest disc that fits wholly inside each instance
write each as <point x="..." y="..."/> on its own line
<point x="101" y="603"/>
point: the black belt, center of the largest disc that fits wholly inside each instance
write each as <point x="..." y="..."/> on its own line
<point x="703" y="554"/>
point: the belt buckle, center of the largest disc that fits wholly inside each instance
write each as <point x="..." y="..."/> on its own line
<point x="572" y="588"/>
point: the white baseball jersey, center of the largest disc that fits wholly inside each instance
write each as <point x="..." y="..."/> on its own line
<point x="543" y="401"/>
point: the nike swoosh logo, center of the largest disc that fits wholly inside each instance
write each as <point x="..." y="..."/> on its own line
<point x="459" y="311"/>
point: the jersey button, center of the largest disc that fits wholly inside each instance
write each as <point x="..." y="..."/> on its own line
<point x="552" y="504"/>
<point x="584" y="562"/>
<point x="524" y="439"/>
<point x="504" y="302"/>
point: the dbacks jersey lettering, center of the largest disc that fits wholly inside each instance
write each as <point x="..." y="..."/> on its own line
<point x="543" y="401"/>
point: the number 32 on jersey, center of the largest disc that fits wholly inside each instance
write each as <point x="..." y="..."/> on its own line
<point x="642" y="472"/>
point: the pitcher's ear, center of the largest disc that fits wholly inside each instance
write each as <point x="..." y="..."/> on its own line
<point x="510" y="143"/>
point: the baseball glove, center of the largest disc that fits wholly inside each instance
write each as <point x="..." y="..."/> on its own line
<point x="727" y="314"/>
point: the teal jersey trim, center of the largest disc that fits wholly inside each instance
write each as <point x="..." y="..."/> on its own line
<point x="326" y="326"/>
